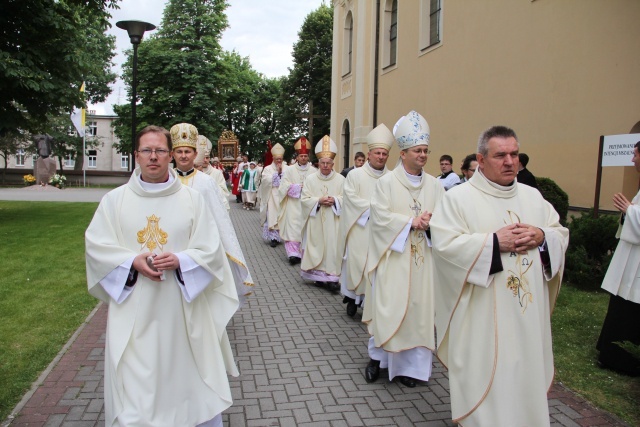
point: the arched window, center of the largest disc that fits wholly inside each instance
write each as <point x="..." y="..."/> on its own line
<point x="391" y="32"/>
<point x="346" y="141"/>
<point x="430" y="23"/>
<point x="347" y="45"/>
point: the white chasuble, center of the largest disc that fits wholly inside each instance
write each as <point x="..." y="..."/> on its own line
<point x="496" y="340"/>
<point x="166" y="360"/>
<point x="320" y="227"/>
<point x="269" y="195"/>
<point x="623" y="275"/>
<point x="218" y="177"/>
<point x="206" y="186"/>
<point x="402" y="308"/>
<point x="290" y="218"/>
<point x="354" y="229"/>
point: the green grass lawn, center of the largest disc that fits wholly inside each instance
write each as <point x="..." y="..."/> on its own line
<point x="576" y="324"/>
<point x="43" y="290"/>
<point x="44" y="299"/>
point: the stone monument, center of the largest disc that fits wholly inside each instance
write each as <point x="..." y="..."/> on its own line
<point x="45" y="165"/>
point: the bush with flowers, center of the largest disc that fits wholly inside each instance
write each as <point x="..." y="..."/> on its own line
<point x="29" y="179"/>
<point x="58" y="181"/>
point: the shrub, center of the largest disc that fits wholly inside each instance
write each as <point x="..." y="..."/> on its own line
<point x="555" y="195"/>
<point x="591" y="245"/>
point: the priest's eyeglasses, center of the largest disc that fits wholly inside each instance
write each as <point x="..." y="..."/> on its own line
<point x="160" y="152"/>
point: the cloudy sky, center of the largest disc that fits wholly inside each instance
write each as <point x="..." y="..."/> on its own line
<point x="263" y="30"/>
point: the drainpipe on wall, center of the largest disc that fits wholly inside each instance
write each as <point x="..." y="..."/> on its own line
<point x="375" y="71"/>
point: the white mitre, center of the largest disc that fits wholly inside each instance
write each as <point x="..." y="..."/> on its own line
<point x="380" y="137"/>
<point x="277" y="150"/>
<point x="411" y="130"/>
<point x="203" y="148"/>
<point x="326" y="148"/>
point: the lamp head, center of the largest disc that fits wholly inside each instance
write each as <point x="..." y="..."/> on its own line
<point x="135" y="29"/>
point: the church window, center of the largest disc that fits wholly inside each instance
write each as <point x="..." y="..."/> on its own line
<point x="392" y="32"/>
<point x="430" y="23"/>
<point x="347" y="48"/>
<point x="124" y="161"/>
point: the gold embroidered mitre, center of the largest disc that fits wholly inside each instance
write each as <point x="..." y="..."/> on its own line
<point x="184" y="135"/>
<point x="326" y="148"/>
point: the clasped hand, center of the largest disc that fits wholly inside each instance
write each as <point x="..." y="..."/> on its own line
<point x="519" y="238"/>
<point x="162" y="262"/>
<point x="326" y="201"/>
<point x="421" y="222"/>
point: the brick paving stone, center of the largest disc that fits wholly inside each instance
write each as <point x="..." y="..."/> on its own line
<point x="301" y="360"/>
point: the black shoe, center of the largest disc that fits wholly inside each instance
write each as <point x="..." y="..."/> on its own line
<point x="318" y="284"/>
<point x="273" y="243"/>
<point x="372" y="371"/>
<point x="408" y="381"/>
<point x="293" y="260"/>
<point x="333" y="286"/>
<point x="352" y="308"/>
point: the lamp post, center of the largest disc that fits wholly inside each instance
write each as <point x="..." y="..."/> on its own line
<point x="136" y="30"/>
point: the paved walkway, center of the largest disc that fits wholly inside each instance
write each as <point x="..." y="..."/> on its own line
<point x="300" y="356"/>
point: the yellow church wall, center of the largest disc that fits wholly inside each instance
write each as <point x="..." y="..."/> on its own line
<point x="559" y="73"/>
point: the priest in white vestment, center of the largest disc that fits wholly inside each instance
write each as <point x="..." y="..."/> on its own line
<point x="270" y="197"/>
<point x="153" y="254"/>
<point x="184" y="137"/>
<point x="499" y="253"/>
<point x="290" y="219"/>
<point x="354" y="221"/>
<point x="321" y="206"/>
<point x="399" y="261"/>
<point x="202" y="162"/>
<point x="622" y="281"/>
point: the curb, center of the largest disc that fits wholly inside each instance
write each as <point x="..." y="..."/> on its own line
<point x="37" y="383"/>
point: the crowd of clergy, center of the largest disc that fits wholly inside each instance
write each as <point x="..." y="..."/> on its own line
<point x="468" y="272"/>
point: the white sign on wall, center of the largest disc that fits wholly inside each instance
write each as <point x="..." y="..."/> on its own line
<point x="617" y="150"/>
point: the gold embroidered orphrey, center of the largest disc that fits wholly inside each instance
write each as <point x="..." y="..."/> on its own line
<point x="517" y="282"/>
<point x="152" y="235"/>
<point x="416" y="237"/>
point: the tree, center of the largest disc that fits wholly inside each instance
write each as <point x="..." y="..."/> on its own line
<point x="67" y="143"/>
<point x="47" y="49"/>
<point x="251" y="105"/>
<point x="179" y="71"/>
<point x="10" y="143"/>
<point x="310" y="78"/>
